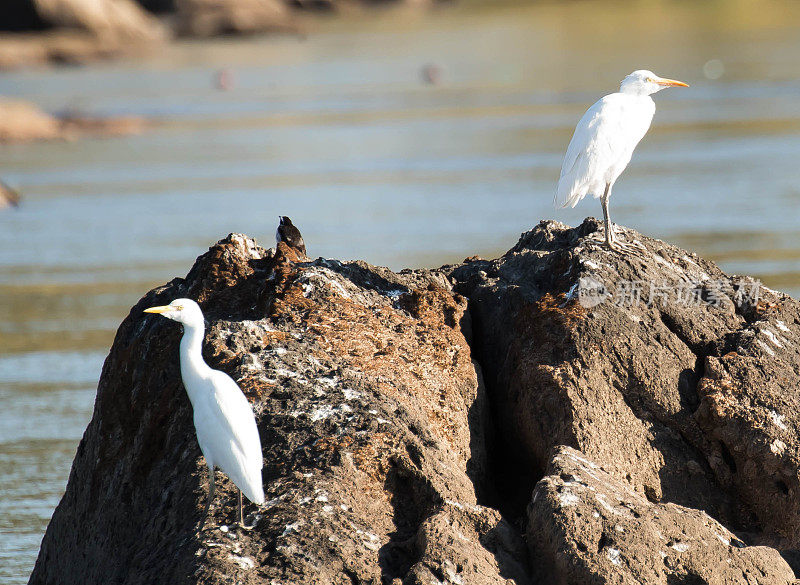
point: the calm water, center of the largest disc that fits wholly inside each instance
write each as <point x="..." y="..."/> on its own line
<point x="338" y="132"/>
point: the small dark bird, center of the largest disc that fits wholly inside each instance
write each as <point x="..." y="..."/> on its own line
<point x="290" y="235"/>
<point x="8" y="196"/>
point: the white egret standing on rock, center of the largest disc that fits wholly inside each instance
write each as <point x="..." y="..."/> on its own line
<point x="604" y="140"/>
<point x="223" y="419"/>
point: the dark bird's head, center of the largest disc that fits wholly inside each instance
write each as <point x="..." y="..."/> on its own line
<point x="285" y="221"/>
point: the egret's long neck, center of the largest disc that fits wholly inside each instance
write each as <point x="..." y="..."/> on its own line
<point x="636" y="89"/>
<point x="193" y="366"/>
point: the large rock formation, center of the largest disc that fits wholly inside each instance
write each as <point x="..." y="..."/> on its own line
<point x="407" y="418"/>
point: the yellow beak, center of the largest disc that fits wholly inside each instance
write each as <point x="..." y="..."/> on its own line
<point x="163" y="309"/>
<point x="670" y="82"/>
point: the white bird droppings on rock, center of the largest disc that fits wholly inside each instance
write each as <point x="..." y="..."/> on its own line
<point x="568" y="499"/>
<point x="244" y="562"/>
<point x="326" y="411"/>
<point x="777" y="420"/>
<point x="614" y="555"/>
<point x="680" y="546"/>
<point x="602" y="500"/>
<point x="284" y="373"/>
<point x="777" y="446"/>
<point x="782" y="326"/>
<point x="772" y="337"/>
<point x="291" y="528"/>
<point x="350" y="394"/>
<point x="765" y="347"/>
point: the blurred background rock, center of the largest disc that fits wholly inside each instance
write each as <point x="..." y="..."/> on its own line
<point x="84" y="30"/>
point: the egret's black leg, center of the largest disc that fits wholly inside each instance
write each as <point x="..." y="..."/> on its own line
<point x="610" y="243"/>
<point x="210" y="498"/>
<point x="241" y="515"/>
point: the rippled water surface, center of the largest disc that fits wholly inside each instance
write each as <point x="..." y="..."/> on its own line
<point x="339" y="132"/>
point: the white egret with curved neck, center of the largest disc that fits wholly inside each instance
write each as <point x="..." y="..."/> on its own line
<point x="603" y="142"/>
<point x="223" y="419"/>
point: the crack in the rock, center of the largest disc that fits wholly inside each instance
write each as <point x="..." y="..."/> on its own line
<point x="413" y="500"/>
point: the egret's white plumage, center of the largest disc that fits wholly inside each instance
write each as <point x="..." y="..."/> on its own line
<point x="223" y="419"/>
<point x="604" y="139"/>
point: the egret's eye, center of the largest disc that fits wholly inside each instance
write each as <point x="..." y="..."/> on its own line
<point x="650" y="79"/>
<point x="179" y="307"/>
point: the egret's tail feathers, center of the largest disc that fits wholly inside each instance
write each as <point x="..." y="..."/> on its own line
<point x="251" y="487"/>
<point x="256" y="493"/>
<point x="246" y="475"/>
<point x="568" y="193"/>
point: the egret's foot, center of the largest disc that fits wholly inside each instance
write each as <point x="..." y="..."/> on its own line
<point x="244" y="526"/>
<point x="594" y="240"/>
<point x="627" y="248"/>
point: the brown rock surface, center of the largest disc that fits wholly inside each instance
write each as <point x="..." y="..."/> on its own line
<point x="689" y="394"/>
<point x="387" y="458"/>
<point x="586" y="527"/>
<point x="372" y="417"/>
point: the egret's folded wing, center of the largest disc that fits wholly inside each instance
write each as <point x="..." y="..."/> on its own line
<point x="237" y="445"/>
<point x="589" y="152"/>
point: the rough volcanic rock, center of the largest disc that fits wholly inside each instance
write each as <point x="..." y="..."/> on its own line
<point x="678" y="379"/>
<point x="652" y="379"/>
<point x="372" y="417"/>
<point x="24" y="122"/>
<point x="586" y="527"/>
